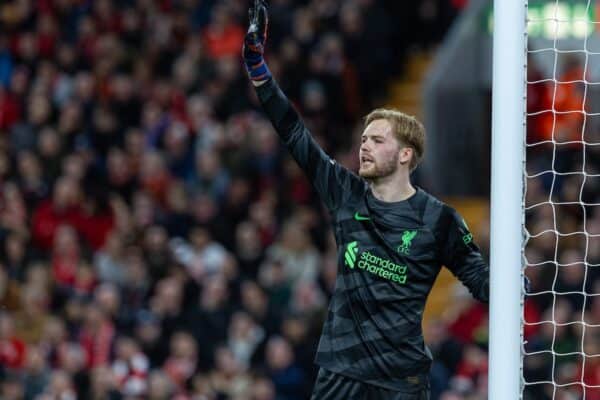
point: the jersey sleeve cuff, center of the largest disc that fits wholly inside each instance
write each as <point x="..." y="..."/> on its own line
<point x="266" y="90"/>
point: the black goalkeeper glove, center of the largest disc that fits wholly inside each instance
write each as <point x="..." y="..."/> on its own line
<point x="254" y="42"/>
<point x="526" y="284"/>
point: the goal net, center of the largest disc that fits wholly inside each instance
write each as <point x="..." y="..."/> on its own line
<point x="561" y="253"/>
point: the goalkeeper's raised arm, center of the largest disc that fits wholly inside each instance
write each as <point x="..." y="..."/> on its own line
<point x="327" y="176"/>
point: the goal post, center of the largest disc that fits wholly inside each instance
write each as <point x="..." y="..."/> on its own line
<point x="506" y="229"/>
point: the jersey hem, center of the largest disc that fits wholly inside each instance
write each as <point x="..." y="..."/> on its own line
<point x="406" y="387"/>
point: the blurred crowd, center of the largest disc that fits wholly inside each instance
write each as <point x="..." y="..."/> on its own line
<point x="562" y="311"/>
<point x="155" y="239"/>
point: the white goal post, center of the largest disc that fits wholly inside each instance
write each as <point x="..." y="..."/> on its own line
<point x="545" y="201"/>
<point x="506" y="229"/>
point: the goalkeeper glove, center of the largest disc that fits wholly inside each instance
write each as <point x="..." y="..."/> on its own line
<point x="526" y="284"/>
<point x="254" y="42"/>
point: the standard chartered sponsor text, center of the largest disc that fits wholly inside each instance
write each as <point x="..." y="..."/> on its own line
<point x="382" y="267"/>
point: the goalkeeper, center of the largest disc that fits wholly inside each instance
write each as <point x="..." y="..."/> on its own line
<point x="392" y="239"/>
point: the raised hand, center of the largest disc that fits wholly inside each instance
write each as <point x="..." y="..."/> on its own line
<point x="254" y="42"/>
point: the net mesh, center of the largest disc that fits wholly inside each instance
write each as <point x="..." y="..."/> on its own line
<point x="561" y="313"/>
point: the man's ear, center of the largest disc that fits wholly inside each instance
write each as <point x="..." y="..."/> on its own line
<point x="406" y="154"/>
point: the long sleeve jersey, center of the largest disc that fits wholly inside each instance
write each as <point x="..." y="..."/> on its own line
<point x="389" y="255"/>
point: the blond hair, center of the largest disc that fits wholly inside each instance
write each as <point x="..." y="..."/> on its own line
<point x="408" y="130"/>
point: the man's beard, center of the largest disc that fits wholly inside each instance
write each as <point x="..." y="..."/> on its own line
<point x="380" y="170"/>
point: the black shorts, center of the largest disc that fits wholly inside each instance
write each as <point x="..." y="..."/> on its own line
<point x="332" y="386"/>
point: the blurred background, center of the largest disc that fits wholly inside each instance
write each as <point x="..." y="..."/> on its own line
<point x="157" y="242"/>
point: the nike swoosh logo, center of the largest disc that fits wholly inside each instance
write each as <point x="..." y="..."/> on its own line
<point x="359" y="217"/>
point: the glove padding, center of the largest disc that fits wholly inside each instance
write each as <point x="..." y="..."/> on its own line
<point x="254" y="42"/>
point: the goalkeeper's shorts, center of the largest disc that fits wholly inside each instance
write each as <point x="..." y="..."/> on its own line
<point x="332" y="386"/>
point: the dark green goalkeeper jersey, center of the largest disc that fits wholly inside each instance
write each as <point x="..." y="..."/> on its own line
<point x="389" y="255"/>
